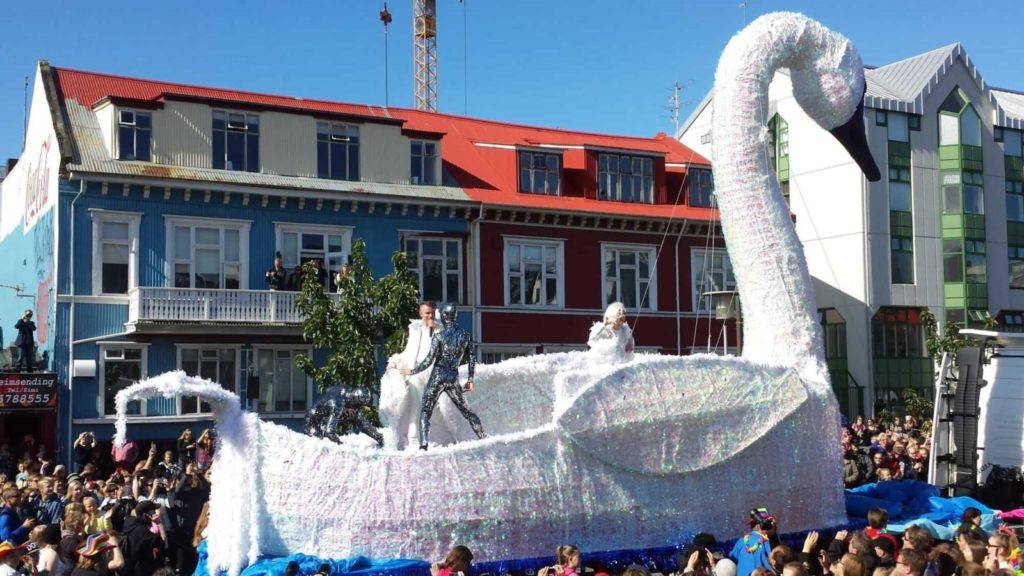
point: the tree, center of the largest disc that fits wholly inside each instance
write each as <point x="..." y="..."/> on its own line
<point x="368" y="313"/>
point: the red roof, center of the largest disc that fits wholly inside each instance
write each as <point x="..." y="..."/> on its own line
<point x="477" y="149"/>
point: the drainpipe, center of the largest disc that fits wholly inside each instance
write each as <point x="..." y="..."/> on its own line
<point x="71" y="321"/>
<point x="679" y="328"/>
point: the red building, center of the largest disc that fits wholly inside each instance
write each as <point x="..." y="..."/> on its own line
<point x="569" y="222"/>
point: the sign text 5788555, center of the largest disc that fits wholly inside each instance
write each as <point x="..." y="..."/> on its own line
<point x="28" y="391"/>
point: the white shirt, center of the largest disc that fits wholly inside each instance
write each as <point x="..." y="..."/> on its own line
<point x="417" y="345"/>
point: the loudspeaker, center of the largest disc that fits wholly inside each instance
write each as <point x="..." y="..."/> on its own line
<point x="969" y="362"/>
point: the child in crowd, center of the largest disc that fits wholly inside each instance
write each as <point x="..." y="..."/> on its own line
<point x="455" y="563"/>
<point x="878" y="520"/>
<point x="753" y="549"/>
<point x="568" y="560"/>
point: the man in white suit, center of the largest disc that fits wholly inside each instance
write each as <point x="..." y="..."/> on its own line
<point x="400" y="395"/>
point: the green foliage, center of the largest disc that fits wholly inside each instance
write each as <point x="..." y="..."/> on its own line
<point x="950" y="341"/>
<point x="369" y="313"/>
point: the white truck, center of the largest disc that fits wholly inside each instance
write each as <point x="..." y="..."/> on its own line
<point x="998" y="416"/>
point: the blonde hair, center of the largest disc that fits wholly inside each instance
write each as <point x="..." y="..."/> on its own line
<point x="565" y="553"/>
<point x="614" y="311"/>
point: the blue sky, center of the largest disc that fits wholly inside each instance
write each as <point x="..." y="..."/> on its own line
<point x="595" y="65"/>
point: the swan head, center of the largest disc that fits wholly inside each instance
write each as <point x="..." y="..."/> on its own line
<point x="831" y="91"/>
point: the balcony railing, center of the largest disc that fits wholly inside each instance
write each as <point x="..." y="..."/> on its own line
<point x="155" y="304"/>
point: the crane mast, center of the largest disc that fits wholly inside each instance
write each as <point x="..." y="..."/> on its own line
<point x="424" y="41"/>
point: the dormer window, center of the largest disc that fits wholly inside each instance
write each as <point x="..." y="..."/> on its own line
<point x="134" y="130"/>
<point x="702" y="189"/>
<point x="625" y="178"/>
<point x="236" y="141"/>
<point x="423" y="169"/>
<point x="539" y="173"/>
<point x="337" y="151"/>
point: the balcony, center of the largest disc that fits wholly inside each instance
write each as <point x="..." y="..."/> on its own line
<point x="158" y="309"/>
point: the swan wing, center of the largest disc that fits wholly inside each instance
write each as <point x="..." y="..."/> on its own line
<point x="671" y="415"/>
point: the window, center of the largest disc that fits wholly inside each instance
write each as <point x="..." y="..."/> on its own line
<point x="1011" y="140"/>
<point x="236" y="141"/>
<point x="424" y="162"/>
<point x="533" y="272"/>
<point x="702" y="189"/>
<point x="121" y="367"/>
<point x="897" y="127"/>
<point x="959" y="123"/>
<point x="778" y="143"/>
<point x="881" y="118"/>
<point x="625" y="178"/>
<point x="219" y="365"/>
<point x="833" y="332"/>
<point x="495" y="354"/>
<point x="1011" y="321"/>
<point x="539" y="173"/>
<point x="711" y="272"/>
<point x="301" y="243"/>
<point x="974" y="197"/>
<point x="208" y="253"/>
<point x="1016" y="254"/>
<point x="902" y="260"/>
<point x="1014" y="201"/>
<point x="899" y="189"/>
<point x="897" y="333"/>
<point x="953" y="260"/>
<point x="437" y="264"/>
<point x="283" y="386"/>
<point x="970" y="127"/>
<point x="115" y="249"/>
<point x="914" y="122"/>
<point x="134" y="130"/>
<point x="974" y="261"/>
<point x="337" y="151"/>
<point x="901" y="358"/>
<point x="629" y="276"/>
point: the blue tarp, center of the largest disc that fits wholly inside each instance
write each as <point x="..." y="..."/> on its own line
<point x="908" y="503"/>
<point x="917" y="503"/>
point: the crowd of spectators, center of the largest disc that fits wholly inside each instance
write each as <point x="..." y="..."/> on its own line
<point x="129" y="515"/>
<point x="877" y="451"/>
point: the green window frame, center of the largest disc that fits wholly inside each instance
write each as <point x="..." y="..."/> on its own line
<point x="975" y="262"/>
<point x="901" y="259"/>
<point x="1016" y="262"/>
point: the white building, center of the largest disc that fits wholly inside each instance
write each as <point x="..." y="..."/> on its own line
<point x="943" y="232"/>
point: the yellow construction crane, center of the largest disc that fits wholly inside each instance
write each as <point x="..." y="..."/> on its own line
<point x="424" y="52"/>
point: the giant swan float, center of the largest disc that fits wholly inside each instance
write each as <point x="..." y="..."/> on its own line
<point x="635" y="455"/>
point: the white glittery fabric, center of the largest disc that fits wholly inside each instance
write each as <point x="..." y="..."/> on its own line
<point x="603" y="454"/>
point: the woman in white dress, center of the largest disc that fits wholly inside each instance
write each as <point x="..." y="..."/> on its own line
<point x="400" y="396"/>
<point x="612" y="340"/>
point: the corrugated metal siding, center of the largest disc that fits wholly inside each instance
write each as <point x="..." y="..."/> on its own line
<point x="87" y="390"/>
<point x="93" y="320"/>
<point x="288" y="144"/>
<point x="181" y="135"/>
<point x="383" y="154"/>
<point x="380" y="230"/>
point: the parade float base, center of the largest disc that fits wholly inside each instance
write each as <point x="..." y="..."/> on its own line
<point x="908" y="502"/>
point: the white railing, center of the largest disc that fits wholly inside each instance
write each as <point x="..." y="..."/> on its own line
<point x="150" y="304"/>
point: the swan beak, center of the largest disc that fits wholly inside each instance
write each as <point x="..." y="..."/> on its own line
<point x="854" y="138"/>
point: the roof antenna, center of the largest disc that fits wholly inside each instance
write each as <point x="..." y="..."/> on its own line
<point x="385" y="17"/>
<point x="673" y="105"/>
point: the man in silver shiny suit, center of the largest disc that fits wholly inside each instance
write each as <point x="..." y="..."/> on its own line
<point x="447" y="348"/>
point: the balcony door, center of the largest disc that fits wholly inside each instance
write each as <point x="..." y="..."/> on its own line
<point x="301" y="243"/>
<point x="208" y="253"/>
